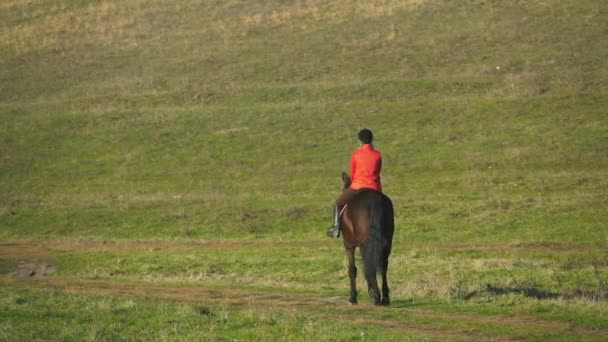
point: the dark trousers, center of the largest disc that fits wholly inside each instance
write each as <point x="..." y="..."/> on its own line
<point x="345" y="197"/>
<point x="340" y="203"/>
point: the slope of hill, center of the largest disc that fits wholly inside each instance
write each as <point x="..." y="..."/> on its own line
<point x="231" y="120"/>
<point x="197" y="116"/>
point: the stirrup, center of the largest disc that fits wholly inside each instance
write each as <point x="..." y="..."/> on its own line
<point x="333" y="232"/>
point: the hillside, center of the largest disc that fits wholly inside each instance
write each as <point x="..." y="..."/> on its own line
<point x="155" y="126"/>
<point x="148" y="119"/>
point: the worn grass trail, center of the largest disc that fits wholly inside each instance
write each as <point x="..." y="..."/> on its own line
<point x="412" y="321"/>
<point x="17" y="248"/>
<point x="407" y="316"/>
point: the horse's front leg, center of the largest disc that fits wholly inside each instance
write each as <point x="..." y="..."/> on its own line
<point x="352" y="274"/>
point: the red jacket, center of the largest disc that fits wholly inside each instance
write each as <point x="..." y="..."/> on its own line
<point x="365" y="166"/>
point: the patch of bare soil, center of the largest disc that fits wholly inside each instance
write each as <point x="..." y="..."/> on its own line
<point x="33" y="268"/>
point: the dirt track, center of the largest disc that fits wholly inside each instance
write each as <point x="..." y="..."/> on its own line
<point x="44" y="248"/>
<point x="297" y="303"/>
<point x="287" y="302"/>
<point x="34" y="270"/>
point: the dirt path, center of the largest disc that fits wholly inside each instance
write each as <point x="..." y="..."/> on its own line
<point x="468" y="327"/>
<point x="19" y="248"/>
<point x="35" y="268"/>
<point x="44" y="248"/>
<point x="286" y="302"/>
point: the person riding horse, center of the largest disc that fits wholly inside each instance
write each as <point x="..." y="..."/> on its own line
<point x="365" y="166"/>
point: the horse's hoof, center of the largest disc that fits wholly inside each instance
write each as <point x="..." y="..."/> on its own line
<point x="386" y="302"/>
<point x="352" y="302"/>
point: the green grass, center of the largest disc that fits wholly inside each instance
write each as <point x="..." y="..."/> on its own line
<point x="201" y="121"/>
<point x="35" y="315"/>
<point x="455" y="274"/>
<point x="441" y="291"/>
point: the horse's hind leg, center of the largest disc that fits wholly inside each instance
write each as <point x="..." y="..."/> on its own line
<point x="370" y="274"/>
<point x="372" y="283"/>
<point x="386" y="300"/>
<point x="372" y="286"/>
<point x="385" y="291"/>
<point x="352" y="274"/>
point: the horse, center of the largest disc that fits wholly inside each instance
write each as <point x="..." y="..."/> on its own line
<point x="368" y="222"/>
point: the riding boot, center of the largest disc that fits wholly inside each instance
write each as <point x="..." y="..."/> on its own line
<point x="334" y="231"/>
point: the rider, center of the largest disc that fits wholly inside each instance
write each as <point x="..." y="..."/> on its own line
<point x="365" y="166"/>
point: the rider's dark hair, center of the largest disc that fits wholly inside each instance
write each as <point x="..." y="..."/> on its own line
<point x="366" y="136"/>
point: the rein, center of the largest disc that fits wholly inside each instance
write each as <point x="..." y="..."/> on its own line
<point x="342" y="210"/>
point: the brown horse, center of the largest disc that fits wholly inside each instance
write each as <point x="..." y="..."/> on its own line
<point x="368" y="223"/>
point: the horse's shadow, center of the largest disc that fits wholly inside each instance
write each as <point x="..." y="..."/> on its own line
<point x="490" y="290"/>
<point x="530" y="292"/>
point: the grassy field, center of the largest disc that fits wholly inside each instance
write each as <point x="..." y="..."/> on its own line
<point x="167" y="169"/>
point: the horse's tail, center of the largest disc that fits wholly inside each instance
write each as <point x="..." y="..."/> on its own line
<point x="380" y="236"/>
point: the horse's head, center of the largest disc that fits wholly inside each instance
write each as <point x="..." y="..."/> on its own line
<point x="346" y="180"/>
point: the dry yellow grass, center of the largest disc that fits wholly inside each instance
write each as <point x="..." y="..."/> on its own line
<point x="8" y="4"/>
<point x="124" y="23"/>
<point x="297" y="15"/>
<point x="96" y="24"/>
